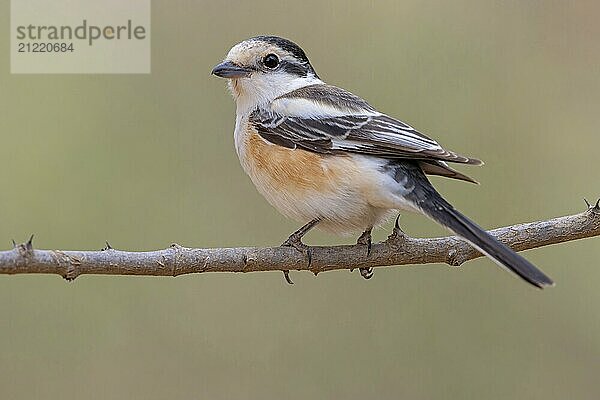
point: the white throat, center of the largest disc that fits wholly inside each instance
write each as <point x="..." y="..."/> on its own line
<point x="260" y="90"/>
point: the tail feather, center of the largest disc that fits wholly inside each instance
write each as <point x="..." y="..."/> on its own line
<point x="432" y="204"/>
<point x="488" y="245"/>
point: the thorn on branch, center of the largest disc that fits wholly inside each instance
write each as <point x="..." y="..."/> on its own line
<point x="29" y="244"/>
<point x="24" y="249"/>
<point x="593" y="208"/>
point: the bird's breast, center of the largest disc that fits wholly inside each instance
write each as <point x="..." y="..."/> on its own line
<point x="283" y="169"/>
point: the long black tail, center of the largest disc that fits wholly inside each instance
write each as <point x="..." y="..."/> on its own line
<point x="432" y="204"/>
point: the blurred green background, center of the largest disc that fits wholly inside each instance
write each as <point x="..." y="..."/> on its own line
<point x="147" y="160"/>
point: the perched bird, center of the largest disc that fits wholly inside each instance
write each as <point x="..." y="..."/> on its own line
<point x="325" y="157"/>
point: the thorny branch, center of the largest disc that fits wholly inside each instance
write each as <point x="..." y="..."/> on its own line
<point x="398" y="249"/>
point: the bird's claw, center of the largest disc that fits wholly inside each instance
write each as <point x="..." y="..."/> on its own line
<point x="366" y="240"/>
<point x="286" y="275"/>
<point x="366" y="273"/>
<point x="296" y="242"/>
<point x="595" y="207"/>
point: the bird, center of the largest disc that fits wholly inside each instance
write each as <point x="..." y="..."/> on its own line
<point x="325" y="157"/>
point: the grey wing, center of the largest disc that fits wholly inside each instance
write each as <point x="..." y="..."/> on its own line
<point x="369" y="134"/>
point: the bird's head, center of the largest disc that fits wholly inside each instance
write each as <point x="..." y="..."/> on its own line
<point x="265" y="67"/>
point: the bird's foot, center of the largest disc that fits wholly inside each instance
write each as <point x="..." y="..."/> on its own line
<point x="295" y="241"/>
<point x="397" y="236"/>
<point x="366" y="240"/>
<point x="366" y="273"/>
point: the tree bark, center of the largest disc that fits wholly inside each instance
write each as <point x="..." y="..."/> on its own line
<point x="398" y="249"/>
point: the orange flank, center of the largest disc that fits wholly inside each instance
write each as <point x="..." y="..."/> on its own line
<point x="295" y="169"/>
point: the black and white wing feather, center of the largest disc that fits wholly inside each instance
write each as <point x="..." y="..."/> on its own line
<point x="326" y="119"/>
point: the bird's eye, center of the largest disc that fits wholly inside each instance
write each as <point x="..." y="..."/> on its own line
<point x="271" y="61"/>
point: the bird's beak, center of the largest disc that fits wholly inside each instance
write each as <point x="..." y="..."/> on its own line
<point x="227" y="69"/>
